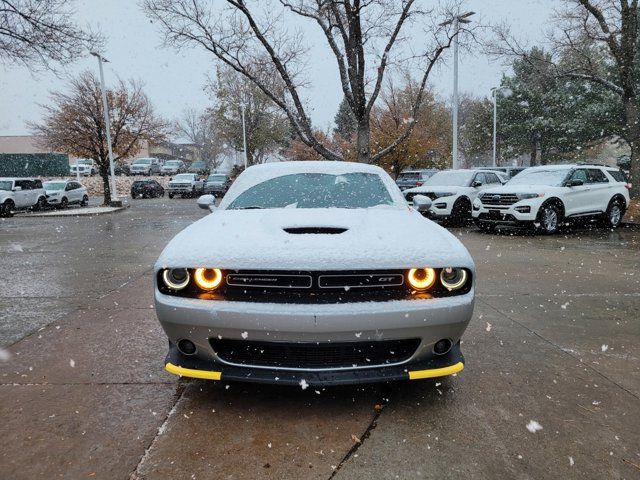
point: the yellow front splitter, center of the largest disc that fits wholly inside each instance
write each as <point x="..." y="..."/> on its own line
<point x="414" y="375"/>
<point x="436" y="372"/>
<point x="190" y="372"/>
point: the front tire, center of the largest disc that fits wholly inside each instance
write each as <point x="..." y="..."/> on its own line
<point x="64" y="203"/>
<point x="7" y="208"/>
<point x="460" y="212"/>
<point x="549" y="219"/>
<point x="85" y="201"/>
<point x="170" y="195"/>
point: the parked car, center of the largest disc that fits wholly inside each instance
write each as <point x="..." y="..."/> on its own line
<point x="199" y="167"/>
<point x="510" y="172"/>
<point x="414" y="178"/>
<point x="173" y="167"/>
<point x="185" y="184"/>
<point x="292" y="281"/>
<point x="122" y="168"/>
<point x="146" y="189"/>
<point x="62" y="193"/>
<point x="84" y="166"/>
<point x="217" y="184"/>
<point x="548" y="196"/>
<point x="21" y="194"/>
<point x="452" y="193"/>
<point x="146" y="166"/>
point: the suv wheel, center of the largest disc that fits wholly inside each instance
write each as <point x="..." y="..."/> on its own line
<point x="39" y="204"/>
<point x="613" y="215"/>
<point x="85" y="201"/>
<point x="170" y="195"/>
<point x="549" y="218"/>
<point x="460" y="212"/>
<point x="64" y="203"/>
<point x="6" y="209"/>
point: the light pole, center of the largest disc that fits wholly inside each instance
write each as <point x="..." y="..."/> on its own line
<point x="494" y="94"/>
<point x="456" y="21"/>
<point x="107" y="127"/>
<point x="244" y="137"/>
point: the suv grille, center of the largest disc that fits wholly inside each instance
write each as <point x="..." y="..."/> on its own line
<point x="314" y="355"/>
<point x="499" y="199"/>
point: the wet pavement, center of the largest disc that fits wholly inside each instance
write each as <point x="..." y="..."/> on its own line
<point x="555" y="343"/>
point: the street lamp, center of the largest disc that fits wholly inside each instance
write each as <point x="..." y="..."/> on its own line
<point x="494" y="94"/>
<point x="107" y="126"/>
<point x="456" y="21"/>
<point x="244" y="136"/>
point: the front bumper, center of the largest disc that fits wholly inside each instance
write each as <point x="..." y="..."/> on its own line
<point x="214" y="189"/>
<point x="428" y="320"/>
<point x="508" y="215"/>
<point x="193" y="367"/>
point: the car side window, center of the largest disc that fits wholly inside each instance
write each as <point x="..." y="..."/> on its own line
<point x="580" y="174"/>
<point x="492" y="178"/>
<point x="37" y="184"/>
<point x="480" y="178"/>
<point x="23" y="184"/>
<point x="597" y="176"/>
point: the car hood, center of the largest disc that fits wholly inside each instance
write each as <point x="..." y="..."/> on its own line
<point x="438" y="188"/>
<point x="375" y="238"/>
<point x="522" y="189"/>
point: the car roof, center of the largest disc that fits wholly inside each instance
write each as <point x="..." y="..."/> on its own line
<point x="17" y="178"/>
<point x="314" y="166"/>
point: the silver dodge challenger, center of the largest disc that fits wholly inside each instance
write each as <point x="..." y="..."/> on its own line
<point x="314" y="273"/>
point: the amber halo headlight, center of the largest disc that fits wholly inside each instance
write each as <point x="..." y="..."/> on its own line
<point x="175" y="278"/>
<point x="208" y="278"/>
<point x="421" y="278"/>
<point x="453" y="278"/>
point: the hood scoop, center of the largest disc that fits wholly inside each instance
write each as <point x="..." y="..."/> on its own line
<point x="315" y="230"/>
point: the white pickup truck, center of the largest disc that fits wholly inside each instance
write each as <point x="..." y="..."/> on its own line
<point x="83" y="166"/>
<point x="21" y="194"/>
<point x="186" y="184"/>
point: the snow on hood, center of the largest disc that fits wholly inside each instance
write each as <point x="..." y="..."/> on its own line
<point x="521" y="189"/>
<point x="376" y="238"/>
<point x="437" y="189"/>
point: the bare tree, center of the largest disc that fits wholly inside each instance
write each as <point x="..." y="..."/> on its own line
<point x="199" y="128"/>
<point x="366" y="38"/>
<point x="39" y="32"/>
<point x="74" y="123"/>
<point x="597" y="41"/>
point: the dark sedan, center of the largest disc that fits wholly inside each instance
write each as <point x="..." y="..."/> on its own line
<point x="146" y="189"/>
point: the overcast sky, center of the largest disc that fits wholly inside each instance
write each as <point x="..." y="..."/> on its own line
<point x="174" y="81"/>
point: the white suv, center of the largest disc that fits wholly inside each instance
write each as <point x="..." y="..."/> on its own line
<point x="548" y="196"/>
<point x="146" y="166"/>
<point x="21" y="194"/>
<point x="453" y="191"/>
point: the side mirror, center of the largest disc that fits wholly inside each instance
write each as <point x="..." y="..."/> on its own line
<point x="576" y="182"/>
<point x="207" y="202"/>
<point x="422" y="203"/>
<point x="17" y="189"/>
<point x="476" y="184"/>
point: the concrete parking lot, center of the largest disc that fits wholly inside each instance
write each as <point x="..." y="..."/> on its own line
<point x="551" y="387"/>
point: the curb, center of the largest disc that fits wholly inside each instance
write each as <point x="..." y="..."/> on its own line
<point x="74" y="214"/>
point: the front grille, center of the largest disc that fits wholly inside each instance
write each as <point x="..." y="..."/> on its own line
<point x="498" y="199"/>
<point x="314" y="355"/>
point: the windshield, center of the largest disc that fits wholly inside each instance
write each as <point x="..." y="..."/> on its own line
<point x="450" y="179"/>
<point x="316" y="190"/>
<point x="54" y="185"/>
<point x="5" y="185"/>
<point x="142" y="161"/>
<point x="84" y="162"/>
<point x="553" y="177"/>
<point x="172" y="163"/>
<point x="183" y="176"/>
<point x="217" y="178"/>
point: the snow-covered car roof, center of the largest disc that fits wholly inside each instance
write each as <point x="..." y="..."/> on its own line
<point x="266" y="171"/>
